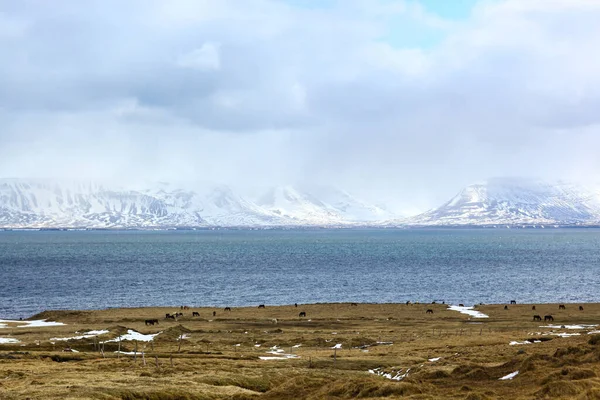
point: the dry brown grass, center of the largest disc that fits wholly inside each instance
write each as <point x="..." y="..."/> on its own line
<point x="474" y="354"/>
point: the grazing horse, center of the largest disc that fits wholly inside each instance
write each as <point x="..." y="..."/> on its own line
<point x="562" y="307"/>
<point x="533" y="308"/>
<point x="429" y="311"/>
<point x="513" y="302"/>
<point x="167" y="316"/>
<point x="214" y="313"/>
<point x="227" y="308"/>
<point x="295" y="304"/>
<point x="548" y="318"/>
<point x="433" y="302"/>
<point x="408" y="302"/>
<point x="537" y="318"/>
<point x="261" y="306"/>
<point x="195" y="314"/>
<point x="178" y="314"/>
<point x="580" y="308"/>
<point x="151" y="321"/>
<point x="302" y="314"/>
<point x="353" y="305"/>
<point x="506" y="307"/>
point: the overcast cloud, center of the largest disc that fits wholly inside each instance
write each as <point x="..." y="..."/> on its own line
<point x="353" y="93"/>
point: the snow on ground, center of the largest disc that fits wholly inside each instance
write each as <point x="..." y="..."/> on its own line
<point x="435" y="359"/>
<point x="515" y="343"/>
<point x="95" y="333"/>
<point x="468" y="311"/>
<point x="509" y="376"/>
<point x="278" y="354"/>
<point x="562" y="334"/>
<point x="86" y="335"/>
<point x="337" y="346"/>
<point x="393" y="375"/>
<point x="29" y="324"/>
<point x="593" y="332"/>
<point x="8" y="340"/>
<point x="133" y="335"/>
<point x="569" y="326"/>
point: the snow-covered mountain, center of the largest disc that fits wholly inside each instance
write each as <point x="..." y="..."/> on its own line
<point x="515" y="201"/>
<point x="318" y="203"/>
<point x="49" y="204"/>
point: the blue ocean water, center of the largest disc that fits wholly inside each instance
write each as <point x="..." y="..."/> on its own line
<point x="99" y="269"/>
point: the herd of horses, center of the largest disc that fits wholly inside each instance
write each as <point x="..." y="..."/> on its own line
<point x="174" y="316"/>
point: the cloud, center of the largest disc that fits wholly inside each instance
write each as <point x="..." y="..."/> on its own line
<point x="348" y="93"/>
<point x="204" y="58"/>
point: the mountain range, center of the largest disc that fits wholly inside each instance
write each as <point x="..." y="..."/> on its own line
<point x="51" y="204"/>
<point x="34" y="203"/>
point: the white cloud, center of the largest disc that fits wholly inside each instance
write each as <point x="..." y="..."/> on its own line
<point x="263" y="90"/>
<point x="204" y="58"/>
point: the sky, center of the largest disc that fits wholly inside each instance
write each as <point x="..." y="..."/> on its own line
<point x="397" y="101"/>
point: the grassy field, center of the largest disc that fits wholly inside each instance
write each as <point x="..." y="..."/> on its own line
<point x="444" y="354"/>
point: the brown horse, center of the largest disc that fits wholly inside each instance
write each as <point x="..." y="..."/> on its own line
<point x="429" y="311"/>
<point x="302" y="314"/>
<point x="151" y="321"/>
<point x="548" y="318"/>
<point x="537" y="318"/>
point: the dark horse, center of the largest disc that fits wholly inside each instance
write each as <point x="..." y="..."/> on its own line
<point x="533" y="308"/>
<point x="353" y="305"/>
<point x="562" y="307"/>
<point x="537" y="318"/>
<point x="227" y="308"/>
<point x="548" y="318"/>
<point x="261" y="306"/>
<point x="151" y="321"/>
<point x="429" y="311"/>
<point x="580" y="308"/>
<point x="195" y="314"/>
<point x="167" y="316"/>
<point x="302" y="314"/>
<point x="513" y="302"/>
<point x="506" y="307"/>
<point x="214" y="313"/>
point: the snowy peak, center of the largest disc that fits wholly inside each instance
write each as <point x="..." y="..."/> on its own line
<point x="51" y="204"/>
<point x="517" y="201"/>
<point x="319" y="202"/>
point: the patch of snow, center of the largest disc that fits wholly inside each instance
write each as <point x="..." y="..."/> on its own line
<point x="29" y="324"/>
<point x="468" y="311"/>
<point x="562" y="334"/>
<point x="86" y="335"/>
<point x="509" y="376"/>
<point x="9" y="340"/>
<point x="337" y="346"/>
<point x="435" y="359"/>
<point x="297" y="345"/>
<point x="133" y="335"/>
<point x="393" y="375"/>
<point x="515" y="343"/>
<point x="569" y="326"/>
<point x="593" y="332"/>
<point x="278" y="354"/>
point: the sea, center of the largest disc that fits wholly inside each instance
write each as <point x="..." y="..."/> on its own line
<point x="50" y="270"/>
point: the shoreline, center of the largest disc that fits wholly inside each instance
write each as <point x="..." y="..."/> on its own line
<point x="250" y="307"/>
